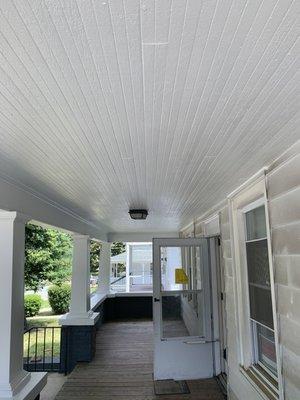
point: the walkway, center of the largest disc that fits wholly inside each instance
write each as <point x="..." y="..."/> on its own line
<point x="122" y="369"/>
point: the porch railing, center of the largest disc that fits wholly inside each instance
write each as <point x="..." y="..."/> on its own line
<point x="42" y="349"/>
<point x="119" y="283"/>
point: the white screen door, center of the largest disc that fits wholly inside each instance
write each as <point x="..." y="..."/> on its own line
<point x="182" y="307"/>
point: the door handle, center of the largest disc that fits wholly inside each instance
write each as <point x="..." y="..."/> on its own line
<point x="156" y="299"/>
<point x="201" y="341"/>
<point x="196" y="342"/>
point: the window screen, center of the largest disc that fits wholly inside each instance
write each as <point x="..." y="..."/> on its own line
<point x="258" y="267"/>
<point x="261" y="305"/>
<point x="260" y="299"/>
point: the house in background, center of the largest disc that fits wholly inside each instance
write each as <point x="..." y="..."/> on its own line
<point x="185" y="113"/>
<point x="132" y="270"/>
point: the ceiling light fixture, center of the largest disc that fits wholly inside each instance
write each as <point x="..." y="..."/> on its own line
<point x="138" y="214"/>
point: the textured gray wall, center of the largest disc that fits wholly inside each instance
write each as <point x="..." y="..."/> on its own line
<point x="284" y="194"/>
<point x="283" y="187"/>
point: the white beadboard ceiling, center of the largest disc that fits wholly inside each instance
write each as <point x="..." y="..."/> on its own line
<point x="166" y="104"/>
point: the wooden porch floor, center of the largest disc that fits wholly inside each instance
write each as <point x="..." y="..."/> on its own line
<point x="122" y="369"/>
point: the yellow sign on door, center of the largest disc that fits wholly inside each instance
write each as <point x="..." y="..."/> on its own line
<point x="180" y="276"/>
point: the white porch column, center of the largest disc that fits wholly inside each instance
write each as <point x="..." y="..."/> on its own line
<point x="80" y="295"/>
<point x="13" y="379"/>
<point x="128" y="264"/>
<point x="104" y="268"/>
<point x="80" y="307"/>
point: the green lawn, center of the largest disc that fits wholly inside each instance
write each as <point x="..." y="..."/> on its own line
<point x="45" y="304"/>
<point x="45" y="318"/>
<point x="36" y="338"/>
<point x="93" y="288"/>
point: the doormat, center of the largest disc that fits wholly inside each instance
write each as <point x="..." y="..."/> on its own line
<point x="169" y="386"/>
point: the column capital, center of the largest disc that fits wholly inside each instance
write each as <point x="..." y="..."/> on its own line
<point x="80" y="236"/>
<point x="14" y="216"/>
<point x="99" y="241"/>
<point x="106" y="244"/>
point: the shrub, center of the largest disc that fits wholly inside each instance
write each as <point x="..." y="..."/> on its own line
<point x="59" y="298"/>
<point x="32" y="304"/>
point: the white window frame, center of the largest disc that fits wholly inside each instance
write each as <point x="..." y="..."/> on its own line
<point x="129" y="248"/>
<point x="253" y="323"/>
<point x="241" y="202"/>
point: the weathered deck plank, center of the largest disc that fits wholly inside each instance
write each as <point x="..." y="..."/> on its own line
<point x="123" y="367"/>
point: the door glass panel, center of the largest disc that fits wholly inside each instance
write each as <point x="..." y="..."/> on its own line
<point x="198" y="266"/>
<point x="181" y="268"/>
<point x="182" y="315"/>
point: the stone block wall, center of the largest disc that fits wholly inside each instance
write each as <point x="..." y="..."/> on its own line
<point x="283" y="184"/>
<point x="283" y="191"/>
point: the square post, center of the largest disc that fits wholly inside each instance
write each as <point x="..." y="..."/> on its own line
<point x="78" y="340"/>
<point x="128" y="263"/>
<point x="104" y="268"/>
<point x="14" y="380"/>
<point x="80" y="295"/>
<point x="80" y="307"/>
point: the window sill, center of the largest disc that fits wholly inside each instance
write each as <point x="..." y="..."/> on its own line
<point x="267" y="389"/>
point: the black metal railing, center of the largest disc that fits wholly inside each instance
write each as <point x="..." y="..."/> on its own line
<point x="42" y="349"/>
<point x="119" y="284"/>
<point x="120" y="279"/>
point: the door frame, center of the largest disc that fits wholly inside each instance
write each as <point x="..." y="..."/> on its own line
<point x="189" y="349"/>
<point x="222" y="311"/>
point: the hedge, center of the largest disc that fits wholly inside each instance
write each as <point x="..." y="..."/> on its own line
<point x="59" y="298"/>
<point x="32" y="304"/>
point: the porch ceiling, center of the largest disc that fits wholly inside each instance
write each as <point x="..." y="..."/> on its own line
<point x="167" y="105"/>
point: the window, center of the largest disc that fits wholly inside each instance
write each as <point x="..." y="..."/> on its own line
<point x="259" y="286"/>
<point x="141" y="266"/>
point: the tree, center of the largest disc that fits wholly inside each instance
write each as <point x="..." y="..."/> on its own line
<point x="95" y="253"/>
<point x="117" y="248"/>
<point x="95" y="249"/>
<point x="48" y="255"/>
